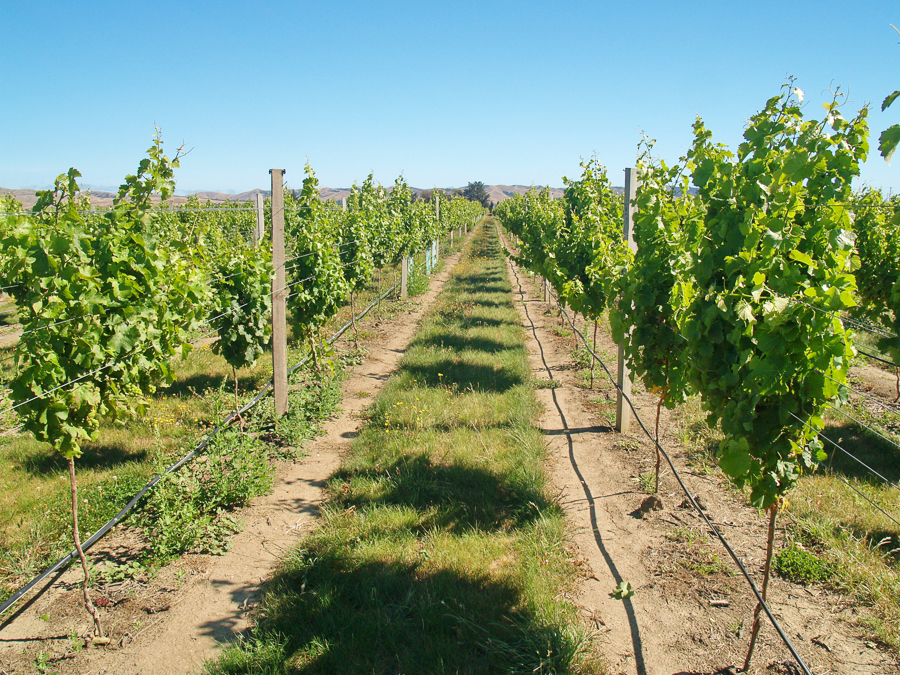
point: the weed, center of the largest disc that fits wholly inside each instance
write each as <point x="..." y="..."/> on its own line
<point x="187" y="510"/>
<point x="76" y="643"/>
<point x="801" y="566"/>
<point x="114" y="572"/>
<point x="684" y="535"/>
<point x="42" y="665"/>
<point x="646" y="481"/>
<point x="628" y="445"/>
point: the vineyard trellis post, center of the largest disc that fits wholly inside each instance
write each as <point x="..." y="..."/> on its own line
<point x="279" y="295"/>
<point x="435" y="244"/>
<point x="260" y="218"/>
<point x="404" y="277"/>
<point x="623" y="415"/>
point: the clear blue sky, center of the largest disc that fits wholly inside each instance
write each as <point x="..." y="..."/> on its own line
<point x="444" y="93"/>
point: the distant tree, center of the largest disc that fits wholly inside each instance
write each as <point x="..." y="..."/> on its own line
<point x="424" y="195"/>
<point x="476" y="192"/>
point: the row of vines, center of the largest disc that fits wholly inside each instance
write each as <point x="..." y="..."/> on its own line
<point x="747" y="269"/>
<point x="106" y="299"/>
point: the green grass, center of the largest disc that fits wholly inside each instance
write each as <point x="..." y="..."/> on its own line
<point x="439" y="549"/>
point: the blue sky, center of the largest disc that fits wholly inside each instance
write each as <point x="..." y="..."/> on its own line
<point x="444" y="93"/>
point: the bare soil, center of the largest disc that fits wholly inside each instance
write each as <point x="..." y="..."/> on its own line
<point x="181" y="617"/>
<point x="691" y="611"/>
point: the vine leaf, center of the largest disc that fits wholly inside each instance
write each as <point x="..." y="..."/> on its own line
<point x="888" y="141"/>
<point x="623" y="590"/>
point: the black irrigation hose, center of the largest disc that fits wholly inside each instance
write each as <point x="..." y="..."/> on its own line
<point x="99" y="534"/>
<point x="877" y="358"/>
<point x="712" y="527"/>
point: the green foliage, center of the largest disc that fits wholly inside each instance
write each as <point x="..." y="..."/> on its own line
<point x="356" y="254"/>
<point x="187" y="509"/>
<point x="878" y="269"/>
<point x="103" y="306"/>
<point x="242" y="305"/>
<point x="800" y="566"/>
<point x="368" y="203"/>
<point x="575" y="243"/>
<point x="765" y="348"/>
<point x="316" y="284"/>
<point x="590" y="252"/>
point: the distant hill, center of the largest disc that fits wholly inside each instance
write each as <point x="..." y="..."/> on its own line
<point x="498" y="193"/>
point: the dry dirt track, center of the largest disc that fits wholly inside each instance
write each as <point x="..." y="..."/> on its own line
<point x="668" y="627"/>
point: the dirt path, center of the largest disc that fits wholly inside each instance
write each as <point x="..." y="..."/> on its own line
<point x="675" y="566"/>
<point x="202" y="602"/>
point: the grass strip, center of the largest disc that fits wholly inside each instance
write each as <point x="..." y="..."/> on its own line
<point x="440" y="549"/>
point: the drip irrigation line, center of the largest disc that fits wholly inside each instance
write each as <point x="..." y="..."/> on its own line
<point x="846" y="452"/>
<point x="343" y="329"/>
<point x="877" y="358"/>
<point x="865" y="426"/>
<point x="696" y="506"/>
<point x="100" y="533"/>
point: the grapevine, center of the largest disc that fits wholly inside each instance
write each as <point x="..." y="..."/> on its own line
<point x="103" y="308"/>
<point x="765" y="346"/>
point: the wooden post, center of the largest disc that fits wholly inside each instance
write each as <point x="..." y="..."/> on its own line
<point x="623" y="413"/>
<point x="404" y="277"/>
<point x="260" y="218"/>
<point x="435" y="247"/>
<point x="279" y="295"/>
